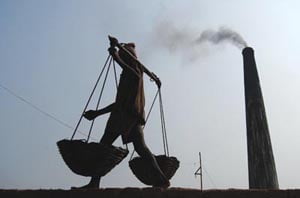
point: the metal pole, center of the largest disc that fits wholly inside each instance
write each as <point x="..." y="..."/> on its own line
<point x="201" y="181"/>
<point x="199" y="172"/>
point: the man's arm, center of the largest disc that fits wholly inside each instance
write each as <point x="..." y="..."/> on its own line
<point x="114" y="42"/>
<point x="117" y="58"/>
<point x="150" y="74"/>
<point x="92" y="114"/>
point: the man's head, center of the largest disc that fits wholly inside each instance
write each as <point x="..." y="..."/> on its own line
<point x="130" y="47"/>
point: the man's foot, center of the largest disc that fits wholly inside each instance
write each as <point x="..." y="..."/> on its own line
<point x="88" y="186"/>
<point x="165" y="184"/>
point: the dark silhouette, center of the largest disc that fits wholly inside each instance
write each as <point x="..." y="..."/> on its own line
<point x="261" y="164"/>
<point x="127" y="114"/>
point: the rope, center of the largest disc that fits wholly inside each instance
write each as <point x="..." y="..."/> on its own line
<point x="90" y="97"/>
<point x="163" y="125"/>
<point x="100" y="96"/>
<point x="131" y="156"/>
<point x="151" y="107"/>
<point x="116" y="81"/>
<point x="115" y="72"/>
<point x="147" y="117"/>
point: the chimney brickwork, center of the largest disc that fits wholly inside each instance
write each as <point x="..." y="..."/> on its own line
<point x="261" y="164"/>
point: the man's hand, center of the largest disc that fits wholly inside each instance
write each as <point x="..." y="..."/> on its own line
<point x="90" y="115"/>
<point x="112" y="51"/>
<point x="113" y="41"/>
<point x="157" y="80"/>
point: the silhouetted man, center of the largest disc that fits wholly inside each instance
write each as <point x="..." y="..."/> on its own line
<point x="127" y="112"/>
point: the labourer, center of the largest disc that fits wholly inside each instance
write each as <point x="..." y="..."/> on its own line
<point x="127" y="114"/>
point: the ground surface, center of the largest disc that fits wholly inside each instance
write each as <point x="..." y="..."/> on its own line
<point x="150" y="193"/>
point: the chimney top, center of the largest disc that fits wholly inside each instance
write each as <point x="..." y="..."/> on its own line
<point x="248" y="50"/>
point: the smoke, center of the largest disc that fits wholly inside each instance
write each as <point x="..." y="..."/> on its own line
<point x="171" y="37"/>
<point x="190" y="43"/>
<point x="222" y="35"/>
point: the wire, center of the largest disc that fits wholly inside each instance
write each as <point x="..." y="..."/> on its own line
<point x="209" y="177"/>
<point x="39" y="109"/>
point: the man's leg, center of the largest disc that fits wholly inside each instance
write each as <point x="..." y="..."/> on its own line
<point x="142" y="149"/>
<point x="108" y="138"/>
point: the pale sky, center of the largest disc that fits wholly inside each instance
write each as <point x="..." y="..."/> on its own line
<point x="51" y="53"/>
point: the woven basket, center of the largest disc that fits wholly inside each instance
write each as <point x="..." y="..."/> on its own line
<point x="90" y="159"/>
<point x="144" y="172"/>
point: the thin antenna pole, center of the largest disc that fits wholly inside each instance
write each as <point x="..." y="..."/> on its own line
<point x="199" y="172"/>
<point x="201" y="181"/>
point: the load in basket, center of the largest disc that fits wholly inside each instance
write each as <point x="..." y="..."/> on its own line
<point x="95" y="159"/>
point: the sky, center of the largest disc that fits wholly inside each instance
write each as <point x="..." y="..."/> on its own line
<point x="51" y="53"/>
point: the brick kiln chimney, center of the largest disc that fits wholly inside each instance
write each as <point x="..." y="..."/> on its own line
<point x="261" y="165"/>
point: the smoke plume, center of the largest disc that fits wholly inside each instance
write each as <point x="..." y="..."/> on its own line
<point x="222" y="35"/>
<point x="190" y="43"/>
